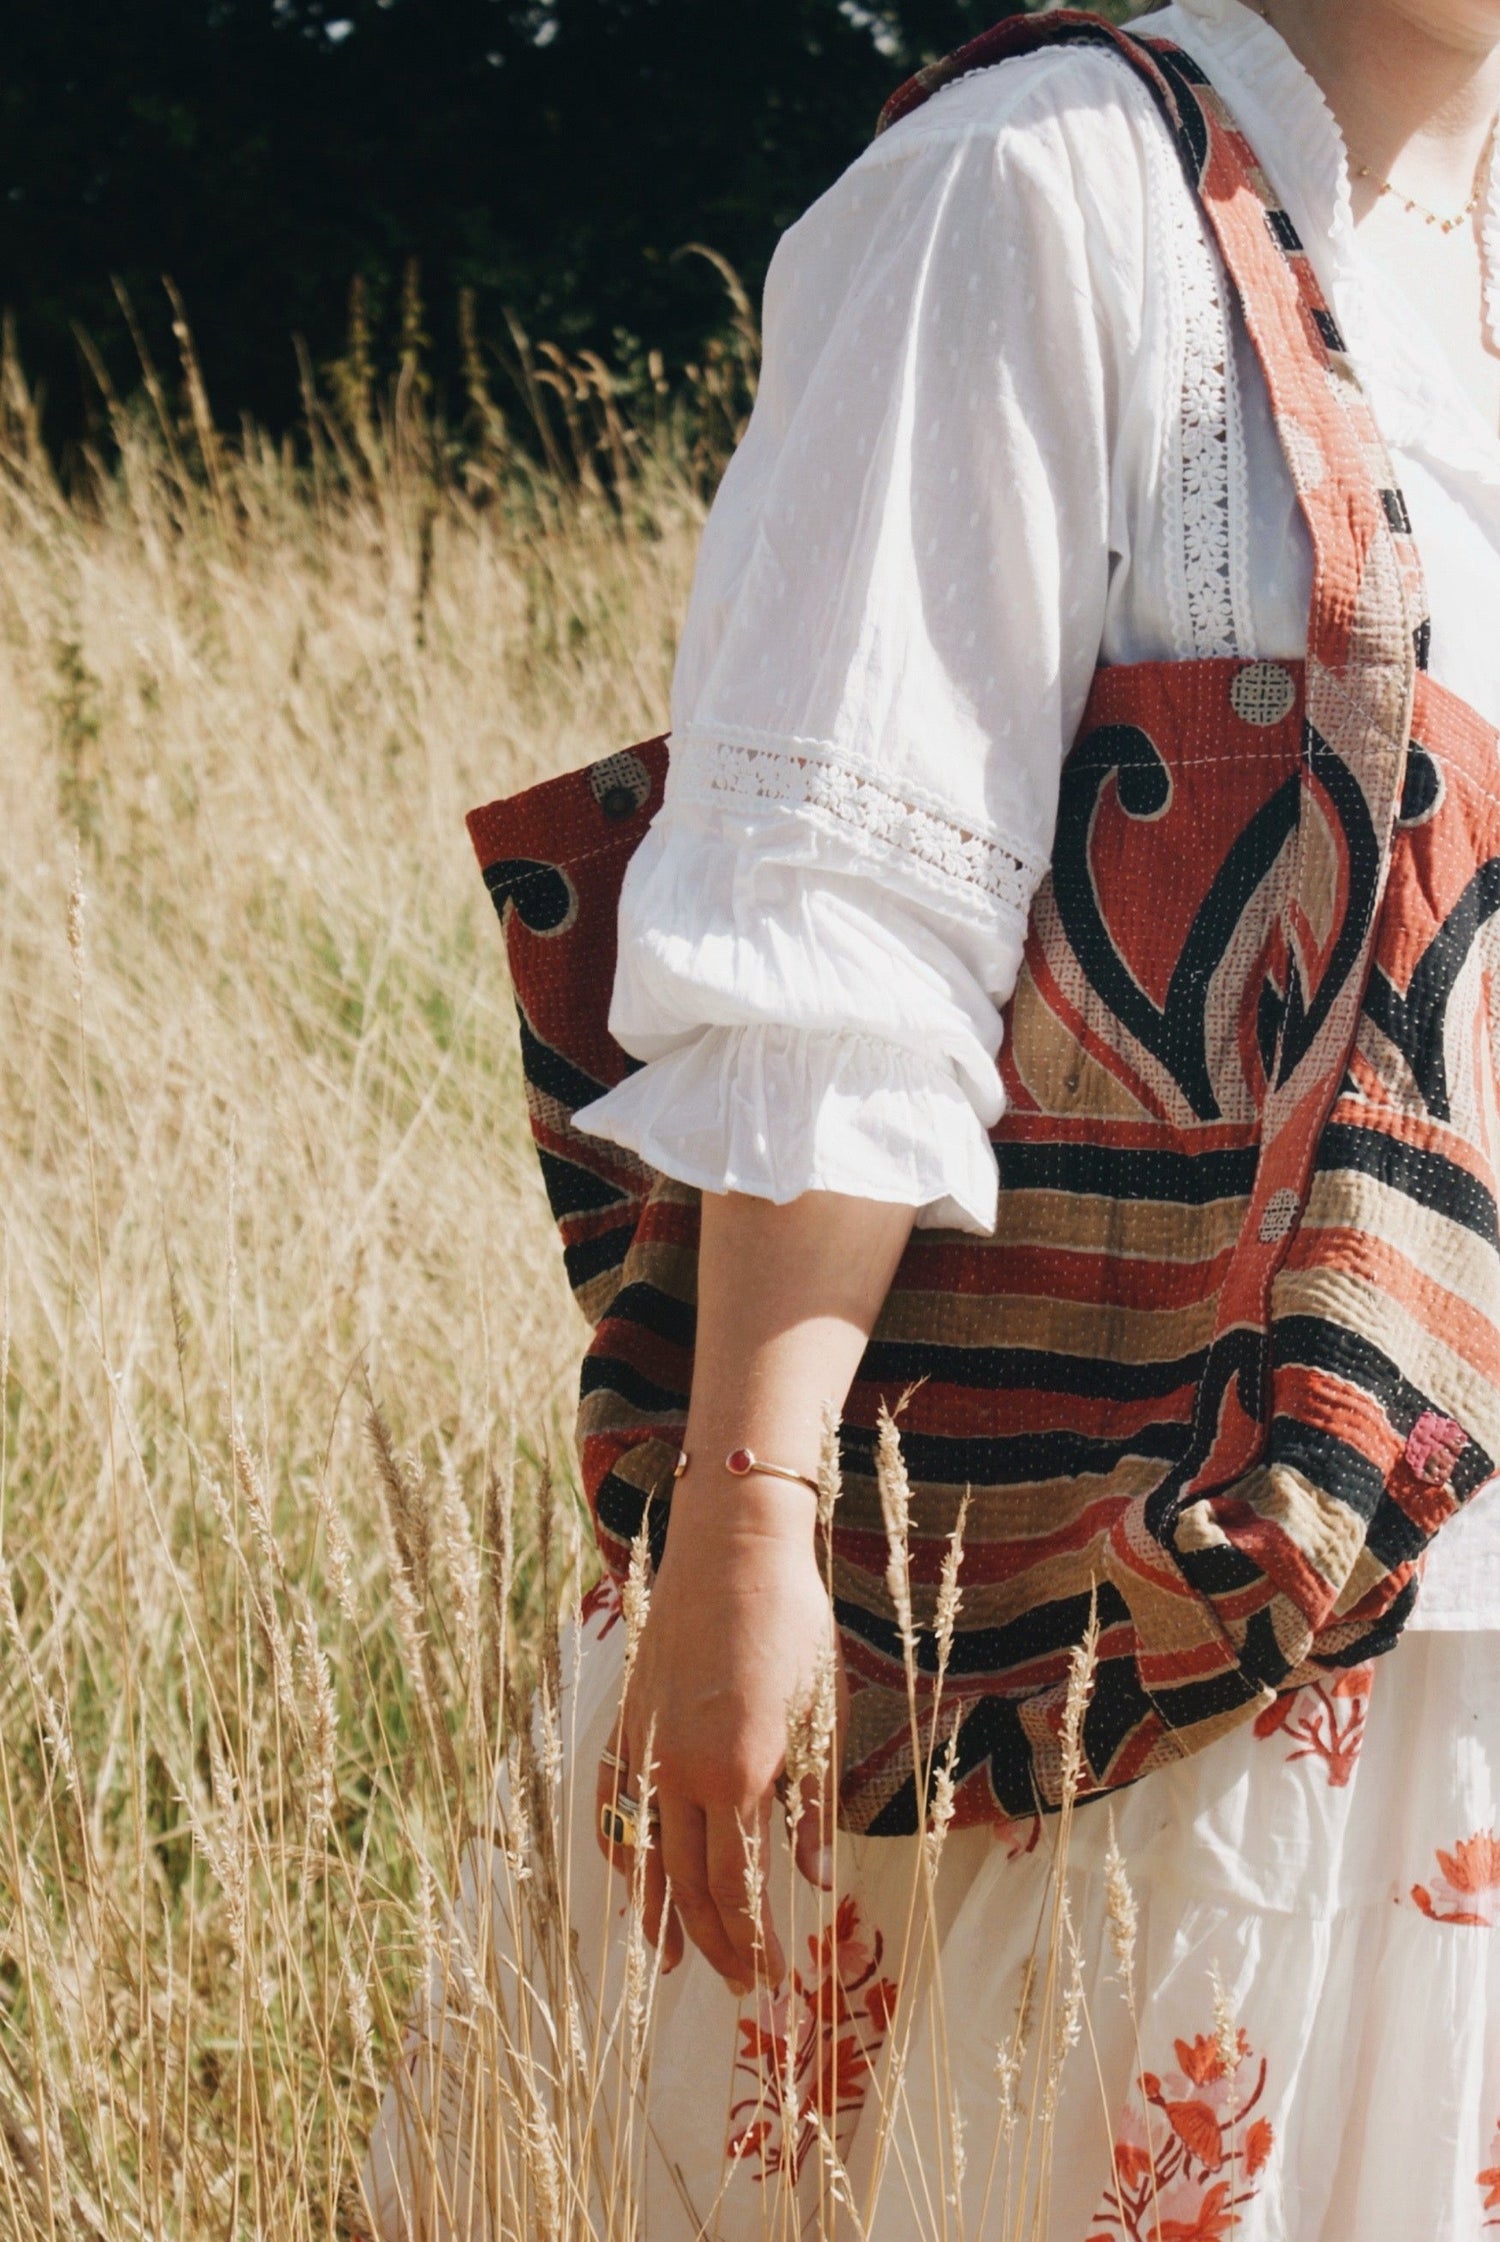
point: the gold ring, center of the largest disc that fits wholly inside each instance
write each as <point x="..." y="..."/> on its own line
<point x="620" y="1822"/>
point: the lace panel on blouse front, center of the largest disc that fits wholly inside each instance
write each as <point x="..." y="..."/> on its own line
<point x="1206" y="474"/>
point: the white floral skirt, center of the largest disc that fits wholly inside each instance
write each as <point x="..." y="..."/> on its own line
<point x="1312" y="2054"/>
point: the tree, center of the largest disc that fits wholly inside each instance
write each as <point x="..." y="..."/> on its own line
<point x="552" y="155"/>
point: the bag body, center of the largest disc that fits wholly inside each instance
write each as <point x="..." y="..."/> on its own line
<point x="1231" y="1356"/>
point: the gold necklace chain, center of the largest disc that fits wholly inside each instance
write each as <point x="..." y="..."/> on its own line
<point x="1408" y="202"/>
<point x="1420" y="210"/>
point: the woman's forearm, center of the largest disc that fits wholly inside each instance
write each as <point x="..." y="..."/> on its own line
<point x="787" y="1298"/>
<point x="739" y="1614"/>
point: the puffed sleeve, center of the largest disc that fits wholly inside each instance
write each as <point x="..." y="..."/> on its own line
<point x="897" y="612"/>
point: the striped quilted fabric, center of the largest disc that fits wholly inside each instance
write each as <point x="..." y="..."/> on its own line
<point x="1230" y="1359"/>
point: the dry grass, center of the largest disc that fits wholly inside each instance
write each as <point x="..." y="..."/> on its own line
<point x="286" y="1357"/>
<point x="261" y="1146"/>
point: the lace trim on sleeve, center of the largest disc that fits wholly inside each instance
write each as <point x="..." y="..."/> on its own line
<point x="860" y="807"/>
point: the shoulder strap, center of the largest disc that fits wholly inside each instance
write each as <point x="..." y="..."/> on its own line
<point x="1295" y="334"/>
<point x="1367" y="625"/>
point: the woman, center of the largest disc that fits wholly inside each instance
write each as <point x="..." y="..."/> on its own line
<point x="1026" y="412"/>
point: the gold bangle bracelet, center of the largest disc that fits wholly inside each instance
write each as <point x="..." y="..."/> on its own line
<point x="740" y="1463"/>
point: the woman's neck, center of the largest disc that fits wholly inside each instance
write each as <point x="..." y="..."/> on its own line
<point x="1414" y="84"/>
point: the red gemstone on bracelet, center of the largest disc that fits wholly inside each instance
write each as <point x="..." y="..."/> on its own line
<point x="741" y="1463"/>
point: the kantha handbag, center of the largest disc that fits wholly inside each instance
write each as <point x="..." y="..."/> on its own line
<point x="1231" y="1357"/>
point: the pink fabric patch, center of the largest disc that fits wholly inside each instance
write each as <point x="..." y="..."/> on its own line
<point x="1435" y="1445"/>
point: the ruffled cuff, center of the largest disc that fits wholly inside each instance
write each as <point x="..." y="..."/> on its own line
<point x="775" y="1111"/>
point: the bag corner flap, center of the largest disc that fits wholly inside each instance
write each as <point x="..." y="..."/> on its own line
<point x="602" y="805"/>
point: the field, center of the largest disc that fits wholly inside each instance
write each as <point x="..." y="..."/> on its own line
<point x="288" y="1513"/>
<point x="263" y="1171"/>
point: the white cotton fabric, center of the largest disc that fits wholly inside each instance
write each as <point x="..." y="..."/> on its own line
<point x="1007" y="429"/>
<point x="1334" y="1869"/>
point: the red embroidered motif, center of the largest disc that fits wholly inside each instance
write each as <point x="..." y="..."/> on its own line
<point x="1469" y="1888"/>
<point x="1325" y="1721"/>
<point x="1434" y="1447"/>
<point x="1489" y="2181"/>
<point x="811" y="2050"/>
<point x="1189" y="2153"/>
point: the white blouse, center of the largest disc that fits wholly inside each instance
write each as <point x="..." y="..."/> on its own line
<point x="1007" y="429"/>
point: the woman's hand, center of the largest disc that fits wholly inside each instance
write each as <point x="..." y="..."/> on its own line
<point x="739" y="1635"/>
<point x="740" y="1625"/>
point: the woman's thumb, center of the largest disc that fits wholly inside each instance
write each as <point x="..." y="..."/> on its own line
<point x="812" y="1835"/>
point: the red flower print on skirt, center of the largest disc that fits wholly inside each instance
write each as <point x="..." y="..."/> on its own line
<point x="1489" y="2182"/>
<point x="1018" y="1835"/>
<point x="1190" y="2149"/>
<point x="601" y="1609"/>
<point x="1325" y="1720"/>
<point x="1468" y="1891"/>
<point x="811" y="2049"/>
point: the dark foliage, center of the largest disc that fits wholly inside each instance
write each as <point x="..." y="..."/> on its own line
<point x="552" y="155"/>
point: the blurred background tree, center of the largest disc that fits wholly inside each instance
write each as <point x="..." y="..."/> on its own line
<point x="552" y="156"/>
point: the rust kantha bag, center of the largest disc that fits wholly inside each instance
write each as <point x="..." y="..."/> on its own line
<point x="1231" y="1357"/>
